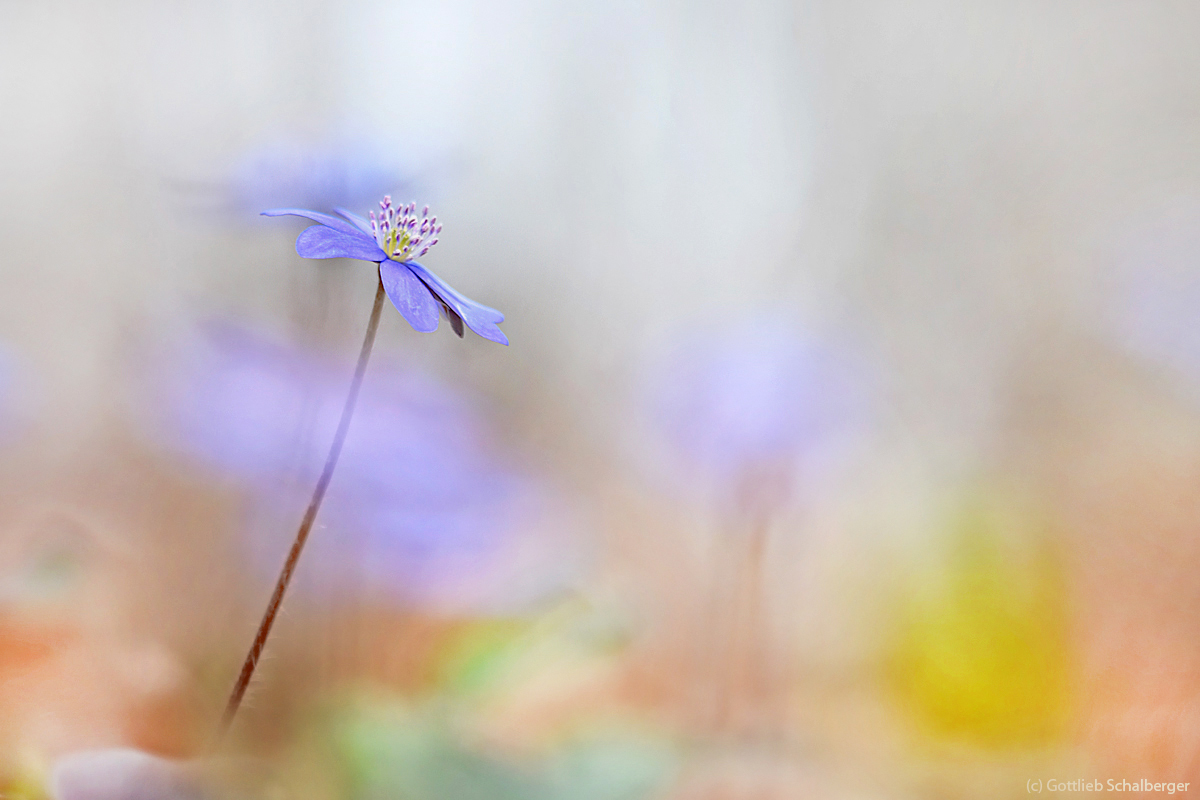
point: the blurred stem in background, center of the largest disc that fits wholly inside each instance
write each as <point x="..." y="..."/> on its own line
<point x="747" y="702"/>
<point x="310" y="516"/>
<point x="745" y="410"/>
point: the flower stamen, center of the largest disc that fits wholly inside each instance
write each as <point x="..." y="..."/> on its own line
<point x="401" y="233"/>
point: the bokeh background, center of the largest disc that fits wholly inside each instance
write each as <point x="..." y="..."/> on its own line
<point x="848" y="443"/>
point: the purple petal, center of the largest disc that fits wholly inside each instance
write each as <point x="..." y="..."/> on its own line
<point x="321" y="242"/>
<point x="362" y="223"/>
<point x="315" y="216"/>
<point x="409" y="295"/>
<point x="479" y="318"/>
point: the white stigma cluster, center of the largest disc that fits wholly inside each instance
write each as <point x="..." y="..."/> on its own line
<point x="401" y="233"/>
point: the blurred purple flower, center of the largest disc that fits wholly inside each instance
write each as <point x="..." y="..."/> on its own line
<point x="742" y="408"/>
<point x="8" y="385"/>
<point x="392" y="241"/>
<point x="422" y="509"/>
<point x="316" y="175"/>
<point x="123" y="774"/>
<point x="1158" y="316"/>
<point x="320" y="174"/>
<point x="6" y="381"/>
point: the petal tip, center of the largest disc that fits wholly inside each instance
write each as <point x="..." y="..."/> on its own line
<point x="496" y="335"/>
<point x="424" y="328"/>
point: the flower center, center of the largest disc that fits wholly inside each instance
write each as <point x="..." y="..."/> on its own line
<point x="401" y="233"/>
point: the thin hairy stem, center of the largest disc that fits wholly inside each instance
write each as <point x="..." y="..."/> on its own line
<point x="314" y="505"/>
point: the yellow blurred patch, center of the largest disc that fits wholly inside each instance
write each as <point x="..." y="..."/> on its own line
<point x="981" y="654"/>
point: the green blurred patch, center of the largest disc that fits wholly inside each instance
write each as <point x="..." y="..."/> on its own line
<point x="488" y="655"/>
<point x="478" y="653"/>
<point x="389" y="751"/>
<point x="982" y="653"/>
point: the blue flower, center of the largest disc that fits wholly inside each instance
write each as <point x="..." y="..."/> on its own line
<point x="393" y="240"/>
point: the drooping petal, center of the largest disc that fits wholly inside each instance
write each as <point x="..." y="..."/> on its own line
<point x="479" y="318"/>
<point x="315" y="216"/>
<point x="455" y="320"/>
<point x="409" y="295"/>
<point x="450" y="315"/>
<point x="446" y="290"/>
<point x="321" y="242"/>
<point x="362" y="223"/>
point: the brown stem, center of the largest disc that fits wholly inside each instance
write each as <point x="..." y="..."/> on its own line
<point x="314" y="505"/>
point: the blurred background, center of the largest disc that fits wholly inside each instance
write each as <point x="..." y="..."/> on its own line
<point x="847" y="445"/>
